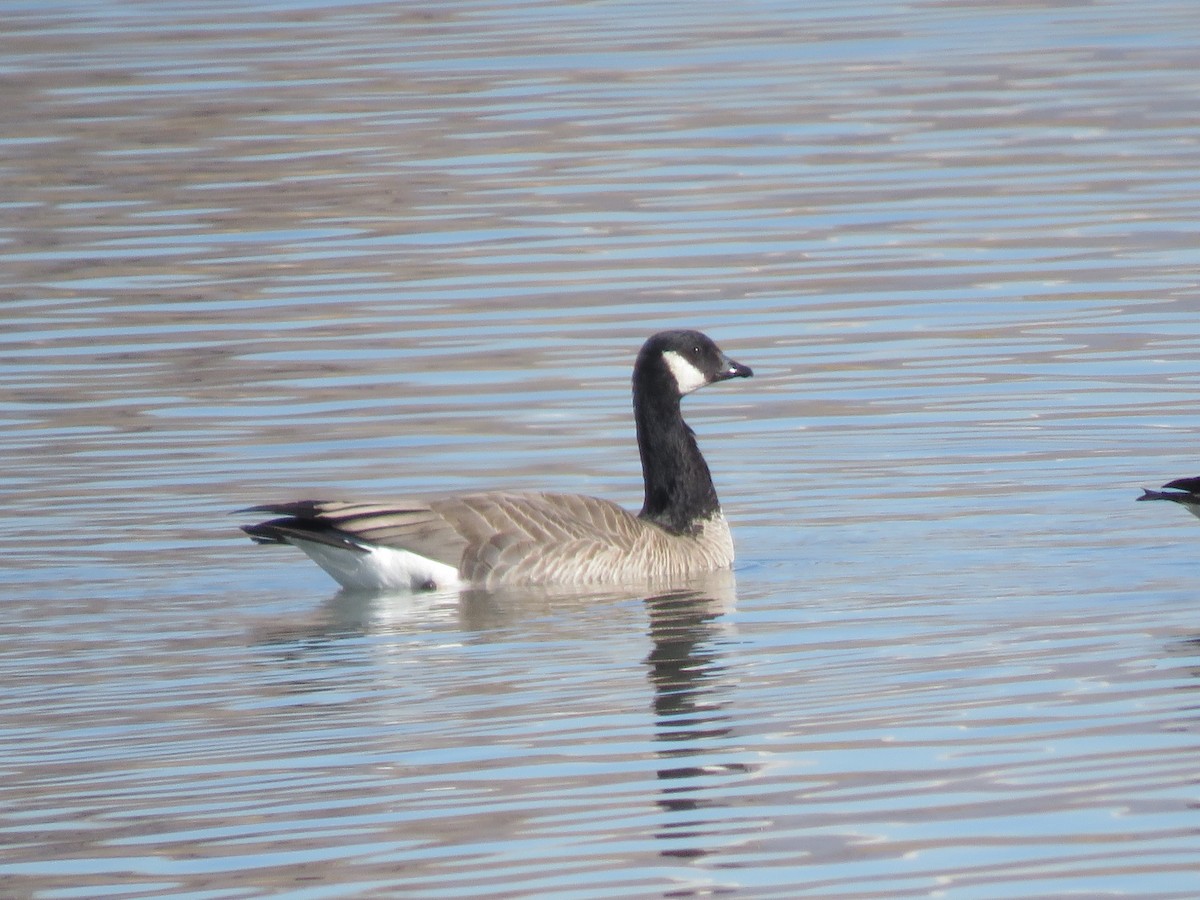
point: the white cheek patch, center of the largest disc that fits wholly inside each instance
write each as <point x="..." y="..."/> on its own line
<point x="687" y="376"/>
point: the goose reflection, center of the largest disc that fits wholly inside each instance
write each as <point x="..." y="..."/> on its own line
<point x="422" y="671"/>
<point x="691" y="689"/>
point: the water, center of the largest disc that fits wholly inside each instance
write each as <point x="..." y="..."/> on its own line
<point x="272" y="250"/>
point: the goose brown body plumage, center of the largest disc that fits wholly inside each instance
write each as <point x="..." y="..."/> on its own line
<point x="490" y="538"/>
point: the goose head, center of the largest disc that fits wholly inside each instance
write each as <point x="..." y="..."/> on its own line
<point x="683" y="361"/>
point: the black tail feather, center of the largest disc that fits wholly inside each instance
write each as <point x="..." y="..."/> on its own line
<point x="281" y="531"/>
<point x="1187" y="485"/>
<point x="1175" y="496"/>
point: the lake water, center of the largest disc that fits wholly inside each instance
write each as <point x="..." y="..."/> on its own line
<point x="269" y="250"/>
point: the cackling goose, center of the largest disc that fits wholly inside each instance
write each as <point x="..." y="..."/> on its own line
<point x="492" y="538"/>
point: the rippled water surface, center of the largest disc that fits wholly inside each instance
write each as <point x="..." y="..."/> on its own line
<point x="270" y="250"/>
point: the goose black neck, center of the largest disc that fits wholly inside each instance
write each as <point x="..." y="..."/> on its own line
<point x="679" y="488"/>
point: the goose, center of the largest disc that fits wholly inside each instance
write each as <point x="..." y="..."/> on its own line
<point x="1184" y="491"/>
<point x="493" y="538"/>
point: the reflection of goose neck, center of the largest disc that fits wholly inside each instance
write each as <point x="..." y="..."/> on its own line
<point x="685" y="661"/>
<point x="688" y="629"/>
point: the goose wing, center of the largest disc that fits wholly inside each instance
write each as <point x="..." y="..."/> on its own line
<point x="409" y="524"/>
<point x="521" y="537"/>
<point x="491" y="536"/>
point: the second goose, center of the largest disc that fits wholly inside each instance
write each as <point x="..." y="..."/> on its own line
<point x="490" y="538"/>
<point x="1184" y="491"/>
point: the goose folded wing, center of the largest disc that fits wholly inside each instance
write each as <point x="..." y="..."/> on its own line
<point x="411" y="525"/>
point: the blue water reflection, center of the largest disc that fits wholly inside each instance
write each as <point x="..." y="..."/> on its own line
<point x="358" y="249"/>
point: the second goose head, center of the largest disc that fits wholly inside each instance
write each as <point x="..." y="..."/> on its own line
<point x="679" y="491"/>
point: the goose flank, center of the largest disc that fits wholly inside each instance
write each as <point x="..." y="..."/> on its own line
<point x="491" y="538"/>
